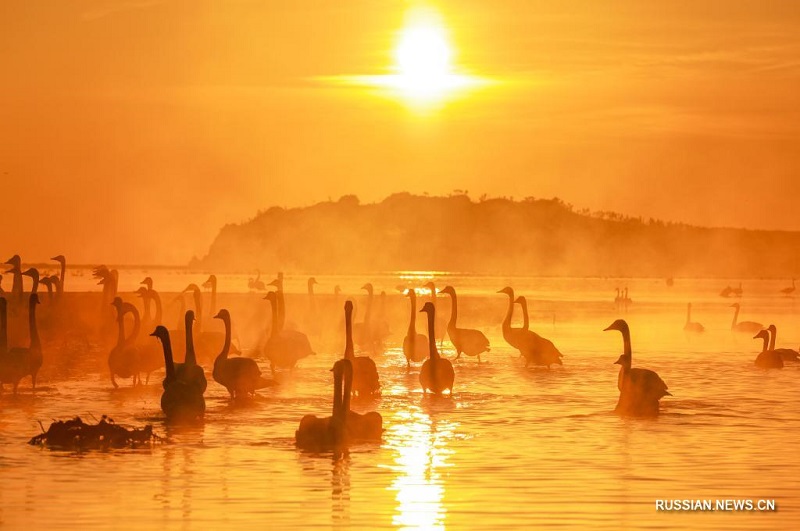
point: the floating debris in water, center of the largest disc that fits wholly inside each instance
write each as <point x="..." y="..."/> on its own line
<point x="75" y="434"/>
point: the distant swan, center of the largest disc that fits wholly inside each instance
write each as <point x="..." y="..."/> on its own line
<point x="788" y="291"/>
<point x="181" y="400"/>
<point x="639" y="389"/>
<point x="536" y="349"/>
<point x="690" y="326"/>
<point x="415" y="345"/>
<point x="284" y="348"/>
<point x="745" y="327"/>
<point x="123" y="360"/>
<point x="16" y="270"/>
<point x="767" y="359"/>
<point x="329" y="433"/>
<point x="190" y="371"/>
<point x="19" y="362"/>
<point x="437" y="373"/>
<point x="786" y="354"/>
<point x="365" y="374"/>
<point x="63" y="273"/>
<point x="256" y="284"/>
<point x="441" y="324"/>
<point x="240" y="376"/>
<point x="465" y="340"/>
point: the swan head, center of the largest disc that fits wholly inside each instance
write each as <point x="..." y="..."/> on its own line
<point x="520" y="300"/>
<point x="348" y="306"/>
<point x="34" y="299"/>
<point x="31" y="272"/>
<point x="277" y="283"/>
<point x="211" y="282"/>
<point x="117" y="303"/>
<point x="763" y="334"/>
<point x="411" y="293"/>
<point x="15" y="261"/>
<point x="60" y="259"/>
<point x="620" y="325"/>
<point x="431" y="286"/>
<point x="772" y="329"/>
<point x="734" y="305"/>
<point x="47" y="281"/>
<point x="312" y="281"/>
<point x="624" y="360"/>
<point x="147" y="282"/>
<point x="194" y="288"/>
<point x="368" y="287"/>
<point x="223" y="314"/>
<point x="188" y="319"/>
<point x="508" y="291"/>
<point x="450" y="290"/>
<point x="336" y="289"/>
<point x="141" y="292"/>
<point x="160" y="332"/>
<point x="270" y="296"/>
<point x="428" y="308"/>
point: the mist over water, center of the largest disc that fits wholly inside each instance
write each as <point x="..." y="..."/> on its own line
<point x="513" y="447"/>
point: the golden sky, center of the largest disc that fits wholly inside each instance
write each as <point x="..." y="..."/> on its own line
<point x="131" y="131"/>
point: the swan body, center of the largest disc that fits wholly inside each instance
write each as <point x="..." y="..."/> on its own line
<point x="465" y="340"/>
<point x="365" y="373"/>
<point x="329" y="433"/>
<point x="15" y="364"/>
<point x="767" y="359"/>
<point x="28" y="360"/>
<point x="181" y="400"/>
<point x="415" y="345"/>
<point x="691" y="326"/>
<point x="744" y="327"/>
<point x="437" y="373"/>
<point x="150" y="350"/>
<point x="536" y="349"/>
<point x="240" y="376"/>
<point x="640" y="390"/>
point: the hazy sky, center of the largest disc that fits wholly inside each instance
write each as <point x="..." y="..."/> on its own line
<point x="131" y="131"/>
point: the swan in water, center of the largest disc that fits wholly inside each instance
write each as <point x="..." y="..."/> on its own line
<point x="465" y="340"/>
<point x="726" y="292"/>
<point x="150" y="357"/>
<point x="207" y="342"/>
<point x="790" y="290"/>
<point x="738" y="291"/>
<point x="786" y="354"/>
<point x="240" y="376"/>
<point x="437" y="373"/>
<point x="767" y="359"/>
<point x="190" y="371"/>
<point x="256" y="284"/>
<point x="363" y="332"/>
<point x="2" y="291"/>
<point x="16" y="283"/>
<point x="745" y="327"/>
<point x="19" y="362"/>
<point x="691" y="326"/>
<point x="284" y="348"/>
<point x="313" y="323"/>
<point x="123" y="360"/>
<point x="34" y="274"/>
<point x="63" y="273"/>
<point x="329" y="433"/>
<point x="415" y="345"/>
<point x="536" y="349"/>
<point x="639" y="389"/>
<point x="47" y="282"/>
<point x="181" y="400"/>
<point x="365" y="374"/>
<point x="280" y="300"/>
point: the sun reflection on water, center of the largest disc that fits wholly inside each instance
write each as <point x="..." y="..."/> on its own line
<point x="422" y="451"/>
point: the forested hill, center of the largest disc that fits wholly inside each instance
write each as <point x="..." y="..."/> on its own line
<point x="492" y="236"/>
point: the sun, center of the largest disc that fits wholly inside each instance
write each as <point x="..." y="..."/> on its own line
<point x="423" y="61"/>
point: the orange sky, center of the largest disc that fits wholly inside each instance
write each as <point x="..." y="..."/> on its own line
<point x="131" y="130"/>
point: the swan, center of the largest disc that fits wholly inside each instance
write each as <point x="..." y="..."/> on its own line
<point x="147" y="283"/>
<point x="691" y="326"/>
<point x="240" y="376"/>
<point x="180" y="401"/>
<point x="437" y="373"/>
<point x="441" y="324"/>
<point x="639" y="389"/>
<point x="536" y="349"/>
<point x="16" y="284"/>
<point x="786" y="354"/>
<point x="465" y="340"/>
<point x="767" y="359"/>
<point x="365" y="374"/>
<point x="788" y="291"/>
<point x="745" y="327"/>
<point x="737" y="292"/>
<point x="34" y="274"/>
<point x="280" y="300"/>
<point x="47" y="282"/>
<point x="63" y="262"/>
<point x="256" y="284"/>
<point x="363" y="332"/>
<point x="284" y="348"/>
<point x="360" y="426"/>
<point x="150" y="357"/>
<point x="20" y="362"/>
<point x="12" y="368"/>
<point x="2" y="291"/>
<point x="189" y="371"/>
<point x="207" y="342"/>
<point x="415" y="345"/>
<point x="123" y="360"/>
<point x="58" y="286"/>
<point x="726" y="292"/>
<point x="329" y="433"/>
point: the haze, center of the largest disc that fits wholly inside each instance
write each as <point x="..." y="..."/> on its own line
<point x="130" y="132"/>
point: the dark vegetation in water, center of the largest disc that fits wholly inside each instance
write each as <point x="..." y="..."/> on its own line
<point x="74" y="434"/>
<point x="493" y="236"/>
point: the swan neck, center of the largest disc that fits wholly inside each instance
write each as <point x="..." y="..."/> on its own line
<point x="412" y="321"/>
<point x="765" y="346"/>
<point x="626" y="343"/>
<point x="434" y="354"/>
<point x="169" y="363"/>
<point x="348" y="334"/>
<point x="773" y="335"/>
<point x="3" y="327"/>
<point x="525" y="320"/>
<point x="735" y="316"/>
<point x="509" y="313"/>
<point x="137" y="325"/>
<point x="157" y="302"/>
<point x="274" y="330"/>
<point x="453" y="311"/>
<point x="191" y="358"/>
<point x="34" y="329"/>
<point x="226" y="346"/>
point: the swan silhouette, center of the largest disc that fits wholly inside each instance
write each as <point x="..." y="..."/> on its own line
<point x="465" y="340"/>
<point x="640" y="390"/>
<point x="18" y="362"/>
<point x="790" y="290"/>
<point x="786" y="354"/>
<point x="690" y="326"/>
<point x="190" y="371"/>
<point x="536" y="349"/>
<point x="415" y="345"/>
<point x="181" y="400"/>
<point x="123" y="360"/>
<point x="437" y="373"/>
<point x="329" y="433"/>
<point x="16" y="283"/>
<point x="767" y="359"/>
<point x="745" y="327"/>
<point x="240" y="376"/>
<point x="365" y="374"/>
<point x="284" y="348"/>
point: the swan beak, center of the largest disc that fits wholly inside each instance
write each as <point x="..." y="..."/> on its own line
<point x="606" y="330"/>
<point x="218" y="316"/>
<point x="619" y="361"/>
